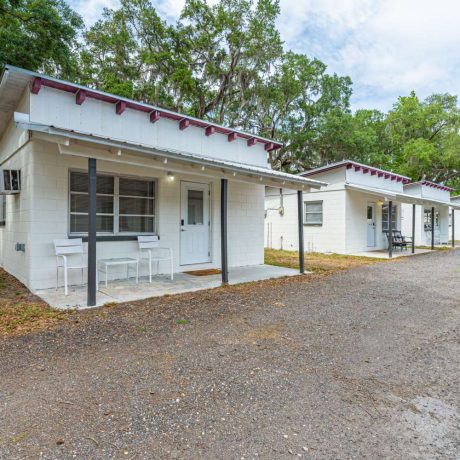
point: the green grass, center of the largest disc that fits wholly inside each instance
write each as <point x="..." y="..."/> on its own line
<point x="181" y="321"/>
<point x="317" y="262"/>
<point x="436" y="248"/>
<point x="25" y="317"/>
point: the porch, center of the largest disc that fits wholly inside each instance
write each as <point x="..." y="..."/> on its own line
<point x="126" y="290"/>
<point x="383" y="253"/>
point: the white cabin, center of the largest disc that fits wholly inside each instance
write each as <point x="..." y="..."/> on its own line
<point x="349" y="215"/>
<point x="436" y="202"/>
<point x="158" y="173"/>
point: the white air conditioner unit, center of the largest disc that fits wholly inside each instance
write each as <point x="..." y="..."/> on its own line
<point x="10" y="181"/>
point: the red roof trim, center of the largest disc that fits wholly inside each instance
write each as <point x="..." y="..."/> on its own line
<point x="155" y="116"/>
<point x="63" y="86"/>
<point x="36" y="85"/>
<point x="434" y="185"/>
<point x="120" y="107"/>
<point x="232" y="137"/>
<point x="357" y="167"/>
<point x="210" y="130"/>
<point x="80" y="97"/>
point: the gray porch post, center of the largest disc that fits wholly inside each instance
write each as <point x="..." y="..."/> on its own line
<point x="223" y="228"/>
<point x="413" y="228"/>
<point x="390" y="229"/>
<point x="432" y="228"/>
<point x="453" y="227"/>
<point x="300" y="219"/>
<point x="92" y="275"/>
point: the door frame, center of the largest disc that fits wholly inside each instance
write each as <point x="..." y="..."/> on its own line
<point x="210" y="217"/>
<point x="374" y="207"/>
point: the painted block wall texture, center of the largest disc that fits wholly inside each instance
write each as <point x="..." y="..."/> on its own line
<point x="281" y="232"/>
<point x="359" y="178"/>
<point x="422" y="237"/>
<point x="39" y="215"/>
<point x="356" y="222"/>
<point x="18" y="219"/>
<point x="58" y="108"/>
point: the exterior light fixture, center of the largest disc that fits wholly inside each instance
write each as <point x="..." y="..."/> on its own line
<point x="170" y="176"/>
<point x="165" y="161"/>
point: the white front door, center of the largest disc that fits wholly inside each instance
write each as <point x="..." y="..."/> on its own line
<point x="371" y="224"/>
<point x="195" y="223"/>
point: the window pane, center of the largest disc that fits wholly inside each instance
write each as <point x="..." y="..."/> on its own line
<point x="136" y="187"/>
<point x="105" y="184"/>
<point x="370" y="212"/>
<point x="79" y="203"/>
<point x="79" y="183"/>
<point x="136" y="224"/>
<point x="314" y="218"/>
<point x="195" y="207"/>
<point x="136" y="205"/>
<point x="79" y="223"/>
<point x="313" y="207"/>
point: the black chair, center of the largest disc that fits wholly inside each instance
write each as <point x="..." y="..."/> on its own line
<point x="398" y="240"/>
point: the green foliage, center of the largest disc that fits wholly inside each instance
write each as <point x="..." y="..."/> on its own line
<point x="225" y="62"/>
<point x="39" y="35"/>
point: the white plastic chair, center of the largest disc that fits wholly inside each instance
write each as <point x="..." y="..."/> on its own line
<point x="150" y="249"/>
<point x="65" y="251"/>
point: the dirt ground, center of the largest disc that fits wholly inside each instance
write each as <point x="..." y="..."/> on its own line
<point x="359" y="364"/>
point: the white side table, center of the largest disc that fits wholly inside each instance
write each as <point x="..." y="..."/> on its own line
<point x="104" y="264"/>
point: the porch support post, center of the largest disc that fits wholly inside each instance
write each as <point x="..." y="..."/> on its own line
<point x="92" y="275"/>
<point x="223" y="228"/>
<point x="390" y="229"/>
<point x="300" y="222"/>
<point x="453" y="227"/>
<point x="432" y="228"/>
<point x="413" y="228"/>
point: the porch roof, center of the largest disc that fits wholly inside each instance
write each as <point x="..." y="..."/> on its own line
<point x="402" y="197"/>
<point x="220" y="168"/>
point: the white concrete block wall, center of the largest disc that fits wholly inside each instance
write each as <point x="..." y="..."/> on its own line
<point x="356" y="222"/>
<point x="406" y="222"/>
<point x="245" y="224"/>
<point x="281" y="231"/>
<point x="39" y="215"/>
<point x="58" y="108"/>
<point x="422" y="237"/>
<point x="18" y="219"/>
<point x="369" y="180"/>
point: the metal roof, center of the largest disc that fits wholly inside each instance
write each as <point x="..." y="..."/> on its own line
<point x="15" y="80"/>
<point x="349" y="164"/>
<point x="281" y="178"/>
<point x="428" y="183"/>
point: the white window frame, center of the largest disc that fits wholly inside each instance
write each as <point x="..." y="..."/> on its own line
<point x="116" y="197"/>
<point x="305" y="212"/>
<point x="393" y="215"/>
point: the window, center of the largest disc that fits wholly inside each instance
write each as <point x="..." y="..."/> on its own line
<point x="2" y="210"/>
<point x="313" y="212"/>
<point x="123" y="205"/>
<point x="195" y="214"/>
<point x="385" y="209"/>
<point x="427" y="219"/>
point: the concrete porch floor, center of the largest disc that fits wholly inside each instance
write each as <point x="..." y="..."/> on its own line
<point x="383" y="253"/>
<point x="126" y="290"/>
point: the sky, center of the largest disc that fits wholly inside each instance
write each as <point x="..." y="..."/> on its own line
<point x="387" y="47"/>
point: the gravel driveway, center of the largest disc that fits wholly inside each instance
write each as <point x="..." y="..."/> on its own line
<point x="361" y="364"/>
